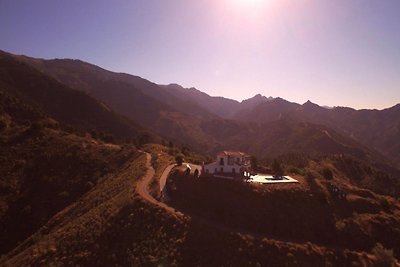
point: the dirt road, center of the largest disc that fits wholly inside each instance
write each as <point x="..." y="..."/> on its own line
<point x="164" y="176"/>
<point x="143" y="185"/>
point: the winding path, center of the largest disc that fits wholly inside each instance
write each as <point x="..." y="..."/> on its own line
<point x="143" y="185"/>
<point x="164" y="176"/>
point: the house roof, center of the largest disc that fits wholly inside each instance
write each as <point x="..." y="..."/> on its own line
<point x="232" y="153"/>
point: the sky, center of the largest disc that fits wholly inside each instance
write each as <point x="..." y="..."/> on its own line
<point x="334" y="53"/>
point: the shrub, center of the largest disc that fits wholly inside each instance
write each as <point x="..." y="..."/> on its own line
<point x="384" y="257"/>
<point x="3" y="125"/>
<point x="340" y="225"/>
<point x="296" y="170"/>
<point x="384" y="204"/>
<point x="143" y="139"/>
<point x="109" y="138"/>
<point x="36" y="127"/>
<point x="64" y="194"/>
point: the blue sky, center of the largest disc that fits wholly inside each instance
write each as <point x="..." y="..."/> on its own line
<point x="336" y="53"/>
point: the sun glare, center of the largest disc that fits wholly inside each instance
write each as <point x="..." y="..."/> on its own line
<point x="251" y="9"/>
<point x="254" y="3"/>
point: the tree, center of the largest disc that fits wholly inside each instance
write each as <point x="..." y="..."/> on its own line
<point x="143" y="138"/>
<point x="171" y="149"/>
<point x="179" y="159"/>
<point x="277" y="168"/>
<point x="327" y="173"/>
<point x="109" y="138"/>
<point x="170" y="145"/>
<point x="254" y="163"/>
<point x="185" y="150"/>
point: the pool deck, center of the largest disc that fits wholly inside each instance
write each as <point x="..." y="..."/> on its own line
<point x="269" y="179"/>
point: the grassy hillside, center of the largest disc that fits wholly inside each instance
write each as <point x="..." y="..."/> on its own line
<point x="45" y="169"/>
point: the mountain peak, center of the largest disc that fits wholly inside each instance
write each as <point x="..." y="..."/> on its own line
<point x="258" y="98"/>
<point x="308" y="103"/>
<point x="174" y="85"/>
<point x="311" y="105"/>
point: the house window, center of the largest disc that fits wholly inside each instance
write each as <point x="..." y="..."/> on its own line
<point x="221" y="161"/>
<point x="230" y="160"/>
<point x="222" y="169"/>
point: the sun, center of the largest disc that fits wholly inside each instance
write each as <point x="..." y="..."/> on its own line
<point x="254" y="3"/>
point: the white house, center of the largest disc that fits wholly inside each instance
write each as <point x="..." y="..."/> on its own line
<point x="232" y="163"/>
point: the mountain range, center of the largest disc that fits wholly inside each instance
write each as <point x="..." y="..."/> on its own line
<point x="208" y="124"/>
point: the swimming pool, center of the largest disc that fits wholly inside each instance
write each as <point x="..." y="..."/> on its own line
<point x="269" y="179"/>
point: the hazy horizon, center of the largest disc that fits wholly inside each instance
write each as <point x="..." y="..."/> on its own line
<point x="331" y="53"/>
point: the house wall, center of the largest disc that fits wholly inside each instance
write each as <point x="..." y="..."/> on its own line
<point x="215" y="167"/>
<point x="225" y="164"/>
